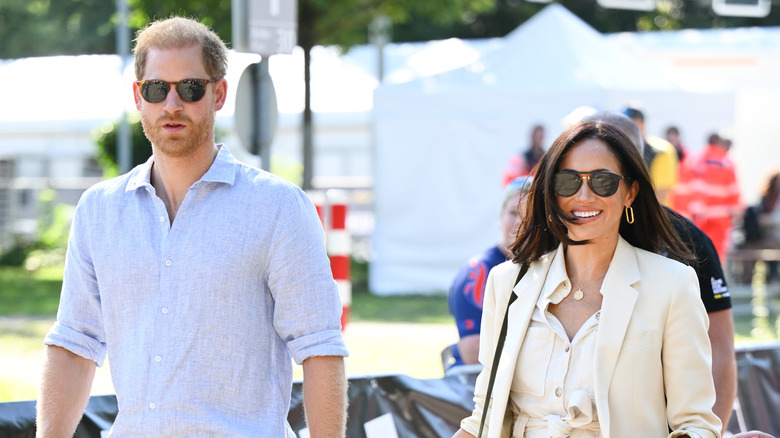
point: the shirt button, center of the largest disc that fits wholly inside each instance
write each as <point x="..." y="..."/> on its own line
<point x="162" y="218"/>
<point x="152" y="405"/>
<point x="558" y="391"/>
<point x="168" y="262"/>
<point x="566" y="348"/>
<point x="164" y="310"/>
<point x="157" y="358"/>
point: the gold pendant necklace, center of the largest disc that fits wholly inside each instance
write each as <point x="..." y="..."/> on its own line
<point x="579" y="294"/>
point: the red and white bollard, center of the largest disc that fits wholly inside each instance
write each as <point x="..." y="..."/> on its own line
<point x="338" y="242"/>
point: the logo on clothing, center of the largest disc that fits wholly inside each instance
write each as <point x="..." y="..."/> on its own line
<point x="719" y="290"/>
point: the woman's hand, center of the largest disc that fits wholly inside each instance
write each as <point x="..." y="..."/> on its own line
<point x="463" y="434"/>
<point x="752" y="434"/>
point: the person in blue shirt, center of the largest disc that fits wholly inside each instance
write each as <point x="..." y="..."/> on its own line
<point x="199" y="277"/>
<point x="466" y="291"/>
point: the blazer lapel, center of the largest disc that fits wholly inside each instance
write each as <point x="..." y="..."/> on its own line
<point x="616" y="309"/>
<point x="520" y="313"/>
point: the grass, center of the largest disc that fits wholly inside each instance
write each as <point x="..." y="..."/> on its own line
<point x="423" y="309"/>
<point x="385" y="335"/>
<point x="20" y="351"/>
<point x="24" y="292"/>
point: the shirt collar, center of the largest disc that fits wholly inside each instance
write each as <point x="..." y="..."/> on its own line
<point x="557" y="285"/>
<point x="222" y="170"/>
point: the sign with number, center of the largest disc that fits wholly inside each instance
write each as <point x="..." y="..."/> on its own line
<point x="273" y="26"/>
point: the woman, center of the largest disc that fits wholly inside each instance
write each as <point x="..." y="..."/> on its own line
<point x="606" y="337"/>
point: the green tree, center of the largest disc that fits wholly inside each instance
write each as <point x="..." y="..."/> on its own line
<point x="342" y="22"/>
<point x="509" y="14"/>
<point x="48" y="27"/>
<point x="107" y="149"/>
<point x="212" y="13"/>
<point x="346" y="23"/>
<point x="56" y="27"/>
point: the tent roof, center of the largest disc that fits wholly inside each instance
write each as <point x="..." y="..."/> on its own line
<point x="554" y="51"/>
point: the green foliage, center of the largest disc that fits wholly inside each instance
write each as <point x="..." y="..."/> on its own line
<point x="287" y="168"/>
<point x="346" y="22"/>
<point x="24" y="292"/>
<point x="68" y="27"/>
<point x="107" y="150"/>
<point x="56" y="27"/>
<point x="51" y="239"/>
<point x="509" y="14"/>
<point x="17" y="254"/>
<point x="53" y="221"/>
<point x="213" y="13"/>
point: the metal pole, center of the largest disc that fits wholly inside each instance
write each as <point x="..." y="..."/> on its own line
<point x="263" y="104"/>
<point x="238" y="14"/>
<point x="123" y="139"/>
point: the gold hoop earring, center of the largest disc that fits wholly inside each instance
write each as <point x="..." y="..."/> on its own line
<point x="631" y="219"/>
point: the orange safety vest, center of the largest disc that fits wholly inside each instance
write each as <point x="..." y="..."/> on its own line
<point x="707" y="193"/>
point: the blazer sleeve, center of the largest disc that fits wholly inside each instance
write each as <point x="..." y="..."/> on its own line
<point x="493" y="309"/>
<point x="687" y="363"/>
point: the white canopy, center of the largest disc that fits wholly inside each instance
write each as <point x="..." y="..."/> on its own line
<point x="442" y="141"/>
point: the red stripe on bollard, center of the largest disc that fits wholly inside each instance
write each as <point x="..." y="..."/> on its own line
<point x="338" y="216"/>
<point x="339" y="265"/>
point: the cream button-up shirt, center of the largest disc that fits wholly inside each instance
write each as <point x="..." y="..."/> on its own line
<point x="552" y="390"/>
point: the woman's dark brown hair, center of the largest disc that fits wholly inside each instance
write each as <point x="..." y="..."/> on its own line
<point x="544" y="226"/>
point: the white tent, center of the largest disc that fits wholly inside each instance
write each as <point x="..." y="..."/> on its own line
<point x="442" y="141"/>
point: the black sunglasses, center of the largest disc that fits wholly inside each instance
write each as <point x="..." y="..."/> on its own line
<point x="190" y="90"/>
<point x="602" y="182"/>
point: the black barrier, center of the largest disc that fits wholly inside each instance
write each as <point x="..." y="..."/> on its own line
<point x="758" y="394"/>
<point x="419" y="408"/>
<point x="433" y="408"/>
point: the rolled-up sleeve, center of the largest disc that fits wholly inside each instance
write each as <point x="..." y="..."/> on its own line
<point x="307" y="308"/>
<point x="79" y="326"/>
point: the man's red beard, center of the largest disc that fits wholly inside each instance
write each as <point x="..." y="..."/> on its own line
<point x="181" y="144"/>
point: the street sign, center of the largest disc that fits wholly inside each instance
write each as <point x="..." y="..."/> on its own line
<point x="742" y="8"/>
<point x="256" y="111"/>
<point x="267" y="27"/>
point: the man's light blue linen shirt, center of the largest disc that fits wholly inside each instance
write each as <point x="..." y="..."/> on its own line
<point x="199" y="318"/>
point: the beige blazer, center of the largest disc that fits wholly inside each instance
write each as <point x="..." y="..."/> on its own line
<point x="653" y="357"/>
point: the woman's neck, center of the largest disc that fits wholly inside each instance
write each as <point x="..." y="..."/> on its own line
<point x="587" y="262"/>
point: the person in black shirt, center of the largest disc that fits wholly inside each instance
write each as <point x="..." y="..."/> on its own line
<point x="712" y="284"/>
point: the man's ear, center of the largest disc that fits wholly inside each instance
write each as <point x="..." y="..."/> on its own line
<point x="137" y="95"/>
<point x="221" y="94"/>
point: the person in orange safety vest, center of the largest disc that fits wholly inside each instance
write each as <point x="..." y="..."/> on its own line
<point x="707" y="192"/>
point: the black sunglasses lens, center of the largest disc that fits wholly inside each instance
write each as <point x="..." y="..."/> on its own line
<point x="604" y="184"/>
<point x="154" y="91"/>
<point x="191" y="90"/>
<point x="567" y="184"/>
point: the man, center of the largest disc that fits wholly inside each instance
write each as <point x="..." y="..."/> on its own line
<point x="199" y="276"/>
<point x="673" y="137"/>
<point x="712" y="285"/>
<point x="708" y="193"/>
<point x="524" y="162"/>
<point x="660" y="157"/>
